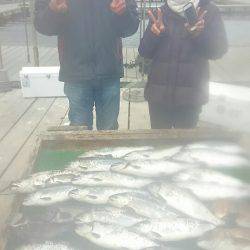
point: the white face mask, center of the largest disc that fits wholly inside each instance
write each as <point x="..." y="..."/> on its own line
<point x="178" y="5"/>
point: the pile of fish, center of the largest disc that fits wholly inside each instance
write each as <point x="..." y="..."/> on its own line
<point x="134" y="197"/>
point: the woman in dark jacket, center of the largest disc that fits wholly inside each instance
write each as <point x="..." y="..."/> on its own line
<point x="177" y="84"/>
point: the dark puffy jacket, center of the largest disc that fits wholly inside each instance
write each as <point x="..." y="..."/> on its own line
<point x="89" y="37"/>
<point x="179" y="73"/>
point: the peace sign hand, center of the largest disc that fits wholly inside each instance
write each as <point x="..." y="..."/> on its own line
<point x="118" y="6"/>
<point x="200" y="24"/>
<point x="59" y="6"/>
<point x="158" y="26"/>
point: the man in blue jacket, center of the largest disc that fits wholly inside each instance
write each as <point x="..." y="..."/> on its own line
<point x="90" y="52"/>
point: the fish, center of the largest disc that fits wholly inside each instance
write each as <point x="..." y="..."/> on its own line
<point x="166" y="153"/>
<point x="48" y="196"/>
<point x="113" y="236"/>
<point x="224" y="243"/>
<point x="150" y="168"/>
<point x="207" y="176"/>
<point x="64" y="178"/>
<point x="173" y="229"/>
<point x="225" y="147"/>
<point x="98" y="195"/>
<point x="183" y="201"/>
<point x="47" y="245"/>
<point x="94" y="164"/>
<point x="117" y="152"/>
<point x="212" y="158"/>
<point x="210" y="191"/>
<point x="110" y="215"/>
<point x="110" y="179"/>
<point x="31" y="183"/>
<point x="35" y="181"/>
<point x="143" y="205"/>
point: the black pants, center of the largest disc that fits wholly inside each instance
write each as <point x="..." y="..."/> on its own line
<point x="183" y="117"/>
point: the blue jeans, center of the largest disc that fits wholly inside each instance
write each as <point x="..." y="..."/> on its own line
<point x="103" y="94"/>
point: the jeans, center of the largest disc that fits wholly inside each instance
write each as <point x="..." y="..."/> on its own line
<point x="103" y="94"/>
<point x="183" y="117"/>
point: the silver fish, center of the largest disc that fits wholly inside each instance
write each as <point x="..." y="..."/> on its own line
<point x="210" y="191"/>
<point x="212" y="158"/>
<point x="184" y="201"/>
<point x="225" y="147"/>
<point x="173" y="229"/>
<point x="110" y="215"/>
<point x="32" y="183"/>
<point x="94" y="164"/>
<point x="98" y="195"/>
<point x="143" y="205"/>
<point x="47" y="245"/>
<point x="110" y="179"/>
<point x="117" y="152"/>
<point x="64" y="178"/>
<point x="150" y="168"/>
<point x="36" y="181"/>
<point x="207" y="176"/>
<point x="113" y="236"/>
<point x="153" y="154"/>
<point x="48" y="196"/>
<point x="224" y="244"/>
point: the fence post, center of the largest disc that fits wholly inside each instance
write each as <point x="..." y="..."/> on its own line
<point x="34" y="34"/>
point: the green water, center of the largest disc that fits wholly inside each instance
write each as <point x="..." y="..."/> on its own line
<point x="54" y="159"/>
<point x="242" y="174"/>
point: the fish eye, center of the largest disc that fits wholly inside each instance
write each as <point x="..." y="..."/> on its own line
<point x="135" y="167"/>
<point x="74" y="191"/>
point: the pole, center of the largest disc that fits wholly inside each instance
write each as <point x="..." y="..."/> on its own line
<point x="143" y="30"/>
<point x="26" y="31"/>
<point x="34" y="34"/>
<point x="1" y="58"/>
<point x="3" y="73"/>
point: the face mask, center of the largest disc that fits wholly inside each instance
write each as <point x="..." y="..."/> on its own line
<point x="178" y="5"/>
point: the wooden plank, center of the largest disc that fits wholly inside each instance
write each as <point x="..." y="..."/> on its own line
<point x="51" y="118"/>
<point x="9" y="98"/>
<point x="67" y="128"/>
<point x="2" y="94"/>
<point x="123" y="114"/>
<point x="139" y="116"/>
<point x="65" y="120"/>
<point x="13" y="113"/>
<point x="24" y="159"/>
<point x="20" y="133"/>
<point x="75" y="139"/>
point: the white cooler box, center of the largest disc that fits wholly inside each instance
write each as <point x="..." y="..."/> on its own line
<point x="41" y="82"/>
<point x="229" y="106"/>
